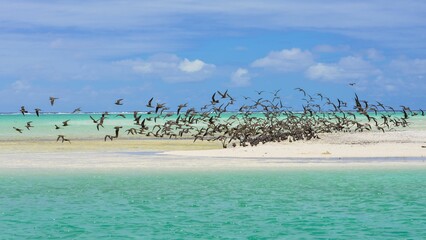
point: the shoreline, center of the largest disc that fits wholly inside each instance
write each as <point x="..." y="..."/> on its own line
<point x="394" y="150"/>
<point x="156" y="161"/>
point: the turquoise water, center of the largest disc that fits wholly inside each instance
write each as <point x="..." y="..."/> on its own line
<point x="261" y="204"/>
<point x="82" y="127"/>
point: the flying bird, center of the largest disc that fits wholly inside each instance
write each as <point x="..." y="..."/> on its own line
<point x="62" y="138"/>
<point x="23" y="111"/>
<point x="108" y="137"/>
<point x="52" y="100"/>
<point x="65" y="123"/>
<point x="37" y="111"/>
<point x="119" y="101"/>
<point x="150" y="103"/>
<point x="117" y="129"/>
<point x="18" y="129"/>
<point x="77" y="110"/>
<point x="180" y="107"/>
<point x="28" y="126"/>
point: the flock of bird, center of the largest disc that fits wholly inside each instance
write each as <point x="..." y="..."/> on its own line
<point x="254" y="121"/>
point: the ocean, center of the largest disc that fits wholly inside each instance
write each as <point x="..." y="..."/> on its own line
<point x="222" y="204"/>
<point x="340" y="203"/>
<point x="82" y="127"/>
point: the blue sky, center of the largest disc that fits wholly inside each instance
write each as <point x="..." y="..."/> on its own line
<point x="89" y="53"/>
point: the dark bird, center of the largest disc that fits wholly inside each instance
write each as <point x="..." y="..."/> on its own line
<point x="60" y="137"/>
<point x="150" y="103"/>
<point x="120" y="115"/>
<point x="275" y="93"/>
<point x="159" y="106"/>
<point x="137" y="119"/>
<point x="352" y="84"/>
<point x="108" y="137"/>
<point x="117" y="130"/>
<point x="18" y="129"/>
<point x="94" y="120"/>
<point x="57" y="127"/>
<point x="65" y="123"/>
<point x="119" y="101"/>
<point x="214" y="101"/>
<point x="77" y="110"/>
<point x="37" y="111"/>
<point x="223" y="95"/>
<point x="180" y="107"/>
<point x="132" y="131"/>
<point x="52" y="100"/>
<point x="23" y="111"/>
<point x="28" y="126"/>
<point x="101" y="121"/>
<point x="63" y="139"/>
<point x="301" y="90"/>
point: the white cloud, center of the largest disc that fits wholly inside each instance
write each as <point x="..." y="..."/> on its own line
<point x="171" y="68"/>
<point x="409" y="66"/>
<point x="190" y="67"/>
<point x="240" y="77"/>
<point x="373" y="54"/>
<point x="325" y="48"/>
<point x="286" y="60"/>
<point x="323" y="71"/>
<point x="347" y="68"/>
<point x="19" y="86"/>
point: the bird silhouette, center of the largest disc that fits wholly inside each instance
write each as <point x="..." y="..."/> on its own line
<point x="52" y="100"/>
<point x="119" y="101"/>
<point x="77" y="110"/>
<point x="28" y="125"/>
<point x="17" y="129"/>
<point x="23" y="111"/>
<point x="37" y="111"/>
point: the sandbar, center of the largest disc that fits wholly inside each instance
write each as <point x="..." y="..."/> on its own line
<point x="394" y="150"/>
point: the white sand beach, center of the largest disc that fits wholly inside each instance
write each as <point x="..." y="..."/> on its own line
<point x="338" y="145"/>
<point x="344" y="150"/>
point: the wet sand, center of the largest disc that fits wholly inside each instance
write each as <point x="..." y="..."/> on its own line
<point x="401" y="149"/>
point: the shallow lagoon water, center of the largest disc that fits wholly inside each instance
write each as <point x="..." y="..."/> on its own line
<point x="201" y="203"/>
<point x="221" y="204"/>
<point x="82" y="127"/>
